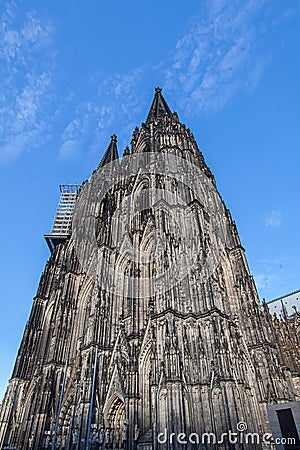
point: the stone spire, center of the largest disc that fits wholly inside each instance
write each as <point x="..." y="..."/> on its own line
<point x="159" y="107"/>
<point x="111" y="153"/>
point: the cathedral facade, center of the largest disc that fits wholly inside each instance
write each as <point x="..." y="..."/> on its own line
<point x="146" y="331"/>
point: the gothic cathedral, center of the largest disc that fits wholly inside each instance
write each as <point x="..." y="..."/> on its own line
<point x="146" y="331"/>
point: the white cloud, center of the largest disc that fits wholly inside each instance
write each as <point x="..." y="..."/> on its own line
<point x="114" y="111"/>
<point x="23" y="125"/>
<point x="69" y="150"/>
<point x="75" y="134"/>
<point x="272" y="219"/>
<point x="219" y="56"/>
<point x="25" y="81"/>
<point x="73" y="130"/>
<point x="264" y="281"/>
<point x="20" y="41"/>
<point x="222" y="53"/>
<point x="274" y="277"/>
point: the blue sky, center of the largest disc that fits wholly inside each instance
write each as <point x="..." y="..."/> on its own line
<point x="74" y="73"/>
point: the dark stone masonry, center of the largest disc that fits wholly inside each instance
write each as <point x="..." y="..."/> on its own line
<point x="125" y="362"/>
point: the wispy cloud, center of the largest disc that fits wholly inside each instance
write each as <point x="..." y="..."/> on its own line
<point x="273" y="276"/>
<point x="264" y="281"/>
<point x="75" y="134"/>
<point x="272" y="219"/>
<point x="119" y="102"/>
<point x="223" y="53"/>
<point x="114" y="109"/>
<point x="25" y="85"/>
<point x="220" y="55"/>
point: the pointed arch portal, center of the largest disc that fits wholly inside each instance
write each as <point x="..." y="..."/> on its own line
<point x="116" y="426"/>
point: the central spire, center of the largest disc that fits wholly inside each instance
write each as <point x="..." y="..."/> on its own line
<point x="159" y="107"/>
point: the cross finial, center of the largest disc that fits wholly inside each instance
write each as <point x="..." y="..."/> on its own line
<point x="113" y="138"/>
<point x="158" y="90"/>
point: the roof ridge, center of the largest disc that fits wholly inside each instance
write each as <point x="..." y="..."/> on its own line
<point x="283" y="296"/>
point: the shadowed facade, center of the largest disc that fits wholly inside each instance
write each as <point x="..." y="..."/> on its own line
<point x="97" y="369"/>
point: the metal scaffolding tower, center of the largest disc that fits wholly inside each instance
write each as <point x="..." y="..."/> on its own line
<point x="63" y="219"/>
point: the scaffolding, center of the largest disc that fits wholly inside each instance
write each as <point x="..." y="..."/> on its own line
<point x="64" y="214"/>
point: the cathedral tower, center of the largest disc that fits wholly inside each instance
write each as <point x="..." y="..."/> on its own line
<point x="146" y="322"/>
